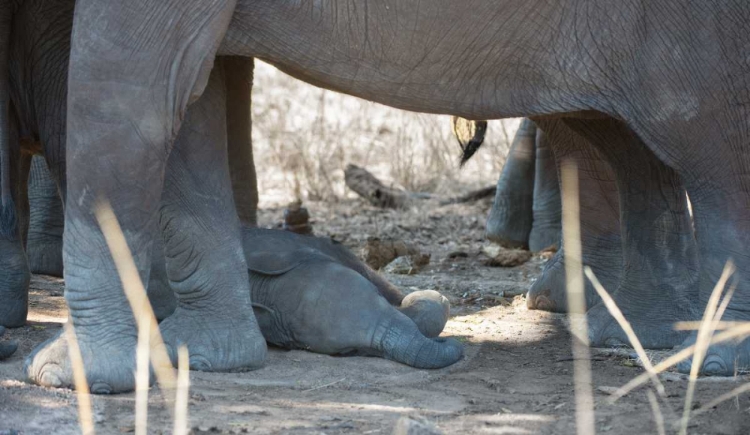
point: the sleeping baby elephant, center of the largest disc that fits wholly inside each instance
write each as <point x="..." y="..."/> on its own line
<point x="312" y="293"/>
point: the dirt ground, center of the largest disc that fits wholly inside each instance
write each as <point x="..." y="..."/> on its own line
<point x="516" y="377"/>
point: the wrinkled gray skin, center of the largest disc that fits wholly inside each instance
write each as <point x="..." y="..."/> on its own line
<point x="526" y="210"/>
<point x="586" y="63"/>
<point x="310" y="293"/>
<point x="46" y="220"/>
<point x="599" y="221"/>
<point x="192" y="199"/>
<point x="45" y="223"/>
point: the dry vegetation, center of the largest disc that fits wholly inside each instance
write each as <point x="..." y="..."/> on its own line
<point x="305" y="136"/>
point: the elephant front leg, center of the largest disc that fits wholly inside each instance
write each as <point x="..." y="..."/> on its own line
<point x="14" y="268"/>
<point x="722" y="225"/>
<point x="658" y="285"/>
<point x="134" y="68"/>
<point x="202" y="244"/>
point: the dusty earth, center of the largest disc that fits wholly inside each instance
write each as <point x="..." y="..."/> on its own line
<point x="516" y="377"/>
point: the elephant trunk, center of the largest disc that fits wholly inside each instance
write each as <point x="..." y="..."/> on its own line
<point x="401" y="341"/>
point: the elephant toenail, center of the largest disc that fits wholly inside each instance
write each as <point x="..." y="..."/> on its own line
<point x="714" y="366"/>
<point x="50" y="379"/>
<point x="199" y="363"/>
<point x="101" y="388"/>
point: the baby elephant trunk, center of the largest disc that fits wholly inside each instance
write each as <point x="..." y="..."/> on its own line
<point x="401" y="341"/>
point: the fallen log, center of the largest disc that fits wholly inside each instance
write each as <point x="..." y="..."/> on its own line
<point x="378" y="194"/>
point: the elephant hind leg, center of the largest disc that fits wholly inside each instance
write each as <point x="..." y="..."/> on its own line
<point x="205" y="261"/>
<point x="46" y="218"/>
<point x="510" y="221"/>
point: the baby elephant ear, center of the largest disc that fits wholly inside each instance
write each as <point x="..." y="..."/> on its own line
<point x="280" y="262"/>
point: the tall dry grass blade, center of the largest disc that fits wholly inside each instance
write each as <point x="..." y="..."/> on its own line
<point x="737" y="333"/>
<point x="85" y="414"/>
<point x="723" y="306"/>
<point x="658" y="416"/>
<point x="576" y="300"/>
<point x="183" y="387"/>
<point x="723" y="398"/>
<point x="614" y="310"/>
<point x="720" y="326"/>
<point x="703" y="341"/>
<point x="142" y="374"/>
<point x="136" y="293"/>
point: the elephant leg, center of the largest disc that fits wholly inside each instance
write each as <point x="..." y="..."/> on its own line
<point x="128" y="92"/>
<point x="44" y="242"/>
<point x="160" y="293"/>
<point x="600" y="223"/>
<point x="547" y="208"/>
<point x="14" y="268"/>
<point x="239" y="84"/>
<point x="511" y="217"/>
<point x="658" y="282"/>
<point x="713" y="160"/>
<point x="205" y="262"/>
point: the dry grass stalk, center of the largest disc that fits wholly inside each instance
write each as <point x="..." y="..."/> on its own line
<point x="737" y="333"/>
<point x="614" y="310"/>
<point x="723" y="398"/>
<point x="658" y="416"/>
<point x="703" y="341"/>
<point x="85" y="414"/>
<point x="720" y="326"/>
<point x="576" y="300"/>
<point x="142" y="374"/>
<point x="136" y="294"/>
<point x="183" y="388"/>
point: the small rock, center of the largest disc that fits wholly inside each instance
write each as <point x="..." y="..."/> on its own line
<point x="297" y="219"/>
<point x="402" y="266"/>
<point x="415" y="426"/>
<point x="458" y="254"/>
<point x="502" y="257"/>
<point x="379" y="253"/>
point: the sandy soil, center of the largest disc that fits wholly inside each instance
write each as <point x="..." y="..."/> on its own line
<point x="516" y="377"/>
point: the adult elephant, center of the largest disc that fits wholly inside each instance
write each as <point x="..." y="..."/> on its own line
<point x="37" y="87"/>
<point x="134" y="69"/>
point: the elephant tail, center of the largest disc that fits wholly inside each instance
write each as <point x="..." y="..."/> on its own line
<point x="401" y="341"/>
<point x="470" y="135"/>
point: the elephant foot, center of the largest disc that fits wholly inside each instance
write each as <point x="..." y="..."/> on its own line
<point x="7" y="349"/>
<point x="497" y="232"/>
<point x="428" y="309"/>
<point x="45" y="256"/>
<point x="548" y="292"/>
<point x="723" y="359"/>
<point x="651" y="313"/>
<point x="543" y="238"/>
<point x="14" y="285"/>
<point x="110" y="365"/>
<point x="227" y="340"/>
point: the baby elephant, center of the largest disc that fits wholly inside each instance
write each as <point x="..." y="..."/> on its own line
<point x="312" y="293"/>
